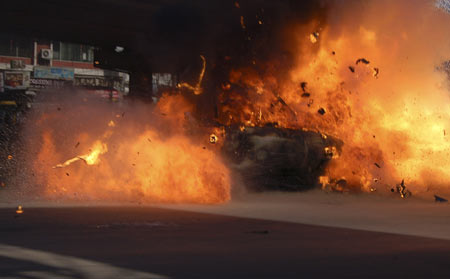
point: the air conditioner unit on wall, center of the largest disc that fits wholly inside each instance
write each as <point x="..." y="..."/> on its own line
<point x="46" y="54"/>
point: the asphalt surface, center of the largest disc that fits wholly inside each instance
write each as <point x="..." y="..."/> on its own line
<point x="147" y="242"/>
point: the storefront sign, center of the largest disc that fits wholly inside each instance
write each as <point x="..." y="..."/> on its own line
<point x="54" y="73"/>
<point x="41" y="83"/>
<point x="96" y="82"/>
<point x="16" y="80"/>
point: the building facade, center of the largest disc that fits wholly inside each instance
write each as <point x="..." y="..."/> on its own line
<point x="33" y="65"/>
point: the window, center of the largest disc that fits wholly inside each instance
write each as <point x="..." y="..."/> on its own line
<point x="16" y="47"/>
<point x="73" y="52"/>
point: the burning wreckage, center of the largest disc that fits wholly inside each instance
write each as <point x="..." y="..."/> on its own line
<point x="271" y="158"/>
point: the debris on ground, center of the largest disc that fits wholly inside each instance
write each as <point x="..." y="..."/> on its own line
<point x="19" y="210"/>
<point x="260" y="232"/>
<point x="334" y="185"/>
<point x="351" y="68"/>
<point x="10" y="157"/>
<point x="362" y="60"/>
<point x="401" y="189"/>
<point x="439" y="199"/>
<point x="321" y="111"/>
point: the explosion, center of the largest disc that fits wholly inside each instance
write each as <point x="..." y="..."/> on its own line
<point x="129" y="164"/>
<point x="374" y="80"/>
<point x="371" y="80"/>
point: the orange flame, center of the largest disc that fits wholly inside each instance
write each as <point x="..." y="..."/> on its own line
<point x="149" y="165"/>
<point x="374" y="85"/>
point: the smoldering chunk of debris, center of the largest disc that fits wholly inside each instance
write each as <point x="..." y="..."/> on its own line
<point x="439" y="199"/>
<point x="2" y="184"/>
<point x="321" y="111"/>
<point x="78" y="144"/>
<point x="362" y="60"/>
<point x="351" y="68"/>
<point x="401" y="189"/>
<point x="373" y="189"/>
<point x="314" y="37"/>
<point x="378" y="166"/>
<point x="375" y="72"/>
<point x="333" y="185"/>
<point x="306" y="95"/>
<point x="236" y="4"/>
<point x="10" y="157"/>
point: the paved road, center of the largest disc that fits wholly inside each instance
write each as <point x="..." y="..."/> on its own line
<point x="146" y="242"/>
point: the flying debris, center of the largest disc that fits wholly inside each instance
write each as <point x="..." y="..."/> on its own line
<point x="213" y="138"/>
<point x="306" y="95"/>
<point x="314" y="37"/>
<point x="351" y="68"/>
<point x="377" y="165"/>
<point x="362" y="60"/>
<point x="197" y="89"/>
<point x="375" y="72"/>
<point x="303" y="85"/>
<point x="321" y="111"/>
<point x="242" y="23"/>
<point x="91" y="158"/>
